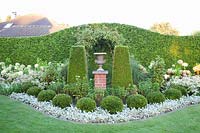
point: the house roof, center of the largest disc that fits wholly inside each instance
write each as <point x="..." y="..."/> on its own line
<point x="29" y="25"/>
<point x="25" y="31"/>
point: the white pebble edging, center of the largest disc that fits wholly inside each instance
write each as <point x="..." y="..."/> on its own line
<point x="102" y="116"/>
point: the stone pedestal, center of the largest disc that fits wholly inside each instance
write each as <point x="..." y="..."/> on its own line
<point x="100" y="79"/>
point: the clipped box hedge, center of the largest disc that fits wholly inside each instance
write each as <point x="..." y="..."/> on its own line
<point x="144" y="44"/>
<point x="77" y="64"/>
<point x="121" y="72"/>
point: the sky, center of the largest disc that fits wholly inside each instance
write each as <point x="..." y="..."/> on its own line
<point x="184" y="15"/>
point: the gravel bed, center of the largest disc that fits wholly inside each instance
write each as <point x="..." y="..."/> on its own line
<point x="102" y="116"/>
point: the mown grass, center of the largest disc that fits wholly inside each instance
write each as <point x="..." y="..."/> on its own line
<point x="16" y="117"/>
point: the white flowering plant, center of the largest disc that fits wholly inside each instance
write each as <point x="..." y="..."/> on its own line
<point x="179" y="69"/>
<point x="20" y="73"/>
<point x="191" y="82"/>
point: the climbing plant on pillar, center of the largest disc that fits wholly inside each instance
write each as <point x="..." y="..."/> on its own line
<point x="77" y="64"/>
<point x="121" y="74"/>
<point x="99" y="38"/>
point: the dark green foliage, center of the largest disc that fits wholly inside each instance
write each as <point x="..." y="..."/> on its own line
<point x="144" y="45"/>
<point x="112" y="104"/>
<point x="78" y="89"/>
<point x="121" y="72"/>
<point x="147" y="86"/>
<point x="181" y="88"/>
<point x="97" y="95"/>
<point x="86" y="104"/>
<point x="26" y="85"/>
<point x="51" y="73"/>
<point x="34" y="91"/>
<point x="62" y="100"/>
<point x="63" y="71"/>
<point x="173" y="94"/>
<point x="57" y="87"/>
<point x="155" y="97"/>
<point x="136" y="101"/>
<point x="131" y="90"/>
<point x="117" y="91"/>
<point x="77" y="64"/>
<point x="46" y="95"/>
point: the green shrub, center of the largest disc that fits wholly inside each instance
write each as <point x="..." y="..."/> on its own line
<point x="131" y="90"/>
<point x="112" y="104"/>
<point x="77" y="64"/>
<point x="98" y="96"/>
<point x="34" y="91"/>
<point x="62" y="100"/>
<point x="86" y="104"/>
<point x="117" y="91"/>
<point x="63" y="71"/>
<point x="79" y="89"/>
<point x="26" y="85"/>
<point x="180" y="88"/>
<point x="57" y="87"/>
<point x="145" y="87"/>
<point x="136" y="101"/>
<point x="121" y="72"/>
<point x="157" y="70"/>
<point x="46" y="95"/>
<point x="155" y="97"/>
<point x="51" y="73"/>
<point x="173" y="94"/>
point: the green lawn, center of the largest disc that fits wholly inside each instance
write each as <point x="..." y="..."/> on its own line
<point x="18" y="117"/>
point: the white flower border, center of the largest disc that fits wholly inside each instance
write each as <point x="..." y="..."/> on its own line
<point x="102" y="116"/>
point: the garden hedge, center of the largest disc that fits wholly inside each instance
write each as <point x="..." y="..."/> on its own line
<point x="121" y="72"/>
<point x="77" y="64"/>
<point x="144" y="44"/>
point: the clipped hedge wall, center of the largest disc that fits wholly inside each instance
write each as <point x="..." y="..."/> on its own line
<point x="77" y="64"/>
<point x="121" y="72"/>
<point x="144" y="44"/>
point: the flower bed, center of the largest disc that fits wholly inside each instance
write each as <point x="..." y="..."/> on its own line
<point x="192" y="82"/>
<point x="102" y="116"/>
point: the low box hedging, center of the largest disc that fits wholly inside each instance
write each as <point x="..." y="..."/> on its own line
<point x="62" y="100"/>
<point x="86" y="104"/>
<point x="180" y="88"/>
<point x="155" y="97"/>
<point x="25" y="86"/>
<point x="173" y="94"/>
<point x="34" y="91"/>
<point x="46" y="95"/>
<point x="77" y="64"/>
<point x="112" y="104"/>
<point x="136" y="101"/>
<point x="121" y="72"/>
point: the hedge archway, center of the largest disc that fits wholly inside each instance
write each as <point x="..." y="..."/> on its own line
<point x="99" y="39"/>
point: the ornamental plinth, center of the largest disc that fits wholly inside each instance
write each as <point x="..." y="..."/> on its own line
<point x="100" y="73"/>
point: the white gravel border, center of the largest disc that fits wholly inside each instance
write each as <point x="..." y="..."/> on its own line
<point x="102" y="116"/>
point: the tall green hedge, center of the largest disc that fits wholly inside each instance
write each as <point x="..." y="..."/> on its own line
<point x="121" y="72"/>
<point x="144" y="44"/>
<point x="77" y="64"/>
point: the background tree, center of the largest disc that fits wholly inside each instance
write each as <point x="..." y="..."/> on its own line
<point x="164" y="28"/>
<point x="196" y="33"/>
